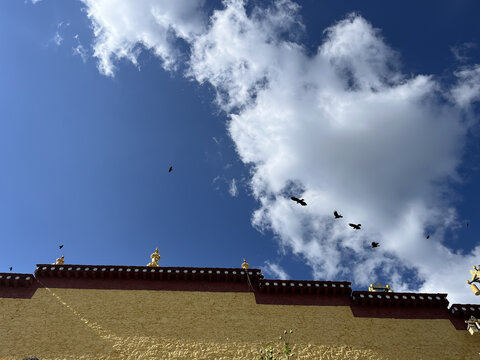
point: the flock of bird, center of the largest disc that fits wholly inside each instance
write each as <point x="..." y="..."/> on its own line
<point x="337" y="216"/>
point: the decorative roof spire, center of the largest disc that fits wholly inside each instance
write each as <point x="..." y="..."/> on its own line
<point x="155" y="257"/>
<point x="245" y="264"/>
<point x="475" y="278"/>
<point x="473" y="326"/>
<point x="379" y="287"/>
<point x="60" y="261"/>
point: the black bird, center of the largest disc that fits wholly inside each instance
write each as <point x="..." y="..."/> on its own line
<point x="11" y="268"/>
<point x="468" y="224"/>
<point x="375" y="244"/>
<point x="428" y="236"/>
<point x="299" y="201"/>
<point x="170" y="170"/>
<point x="337" y="215"/>
<point x="355" y="226"/>
<point x="60" y="246"/>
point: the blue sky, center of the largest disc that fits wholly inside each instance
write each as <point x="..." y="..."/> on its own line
<point x="368" y="109"/>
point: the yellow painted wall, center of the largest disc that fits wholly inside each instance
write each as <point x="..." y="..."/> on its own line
<point x="142" y="324"/>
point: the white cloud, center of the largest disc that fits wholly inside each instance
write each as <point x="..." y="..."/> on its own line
<point x="57" y="39"/>
<point x="343" y="128"/>
<point x="460" y="52"/>
<point x="467" y="89"/>
<point x="123" y="27"/>
<point x="233" y="190"/>
<point x="274" y="270"/>
<point x="80" y="49"/>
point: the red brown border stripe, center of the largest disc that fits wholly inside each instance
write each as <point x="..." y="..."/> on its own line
<point x="461" y="312"/>
<point x="266" y="291"/>
<point x="400" y="305"/>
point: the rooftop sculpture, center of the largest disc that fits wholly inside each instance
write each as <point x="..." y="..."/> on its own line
<point x="473" y="325"/>
<point x="60" y="261"/>
<point x="155" y="257"/>
<point x="475" y="278"/>
<point x="379" y="287"/>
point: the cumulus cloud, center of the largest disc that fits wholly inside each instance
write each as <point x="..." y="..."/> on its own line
<point x="275" y="271"/>
<point x="343" y="128"/>
<point x="123" y="27"/>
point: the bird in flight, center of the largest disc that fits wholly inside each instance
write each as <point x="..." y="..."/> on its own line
<point x="355" y="226"/>
<point x="60" y="246"/>
<point x="375" y="244"/>
<point x="337" y="215"/>
<point x="171" y="169"/>
<point x="299" y="201"/>
<point x="428" y="236"/>
<point x="468" y="224"/>
<point x="11" y="268"/>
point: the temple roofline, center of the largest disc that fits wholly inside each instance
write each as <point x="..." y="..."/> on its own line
<point x="266" y="291"/>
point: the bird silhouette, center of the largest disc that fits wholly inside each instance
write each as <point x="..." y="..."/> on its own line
<point x="337" y="215"/>
<point x="428" y="236"/>
<point x="171" y="169"/>
<point x="11" y="268"/>
<point x="299" y="201"/>
<point x="60" y="246"/>
<point x="468" y="224"/>
<point x="355" y="226"/>
<point x="375" y="244"/>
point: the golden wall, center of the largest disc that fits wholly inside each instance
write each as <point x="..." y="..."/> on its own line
<point x="143" y="324"/>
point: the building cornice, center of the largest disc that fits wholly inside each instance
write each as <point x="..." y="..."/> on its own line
<point x="266" y="291"/>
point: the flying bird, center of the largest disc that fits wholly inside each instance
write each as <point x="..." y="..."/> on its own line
<point x="299" y="201"/>
<point x="428" y="236"/>
<point x="11" y="268"/>
<point x="355" y="226"/>
<point x="171" y="169"/>
<point x="375" y="244"/>
<point x="60" y="246"/>
<point x="468" y="224"/>
<point x="337" y="215"/>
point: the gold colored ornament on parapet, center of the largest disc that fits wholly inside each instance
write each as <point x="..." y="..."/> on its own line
<point x="475" y="278"/>
<point x="60" y="261"/>
<point x="379" y="287"/>
<point x="155" y="257"/>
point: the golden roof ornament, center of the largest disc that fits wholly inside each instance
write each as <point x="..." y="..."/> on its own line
<point x="155" y="257"/>
<point x="473" y="325"/>
<point x="60" y="261"/>
<point x="245" y="264"/>
<point x="379" y="287"/>
<point x="475" y="278"/>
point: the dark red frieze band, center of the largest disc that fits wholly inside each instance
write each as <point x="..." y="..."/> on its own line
<point x="266" y="291"/>
<point x="460" y="312"/>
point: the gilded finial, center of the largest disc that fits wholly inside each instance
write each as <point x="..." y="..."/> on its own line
<point x="245" y="264"/>
<point x="60" y="261"/>
<point x="473" y="325"/>
<point x="155" y="257"/>
<point x="379" y="287"/>
<point x="475" y="278"/>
